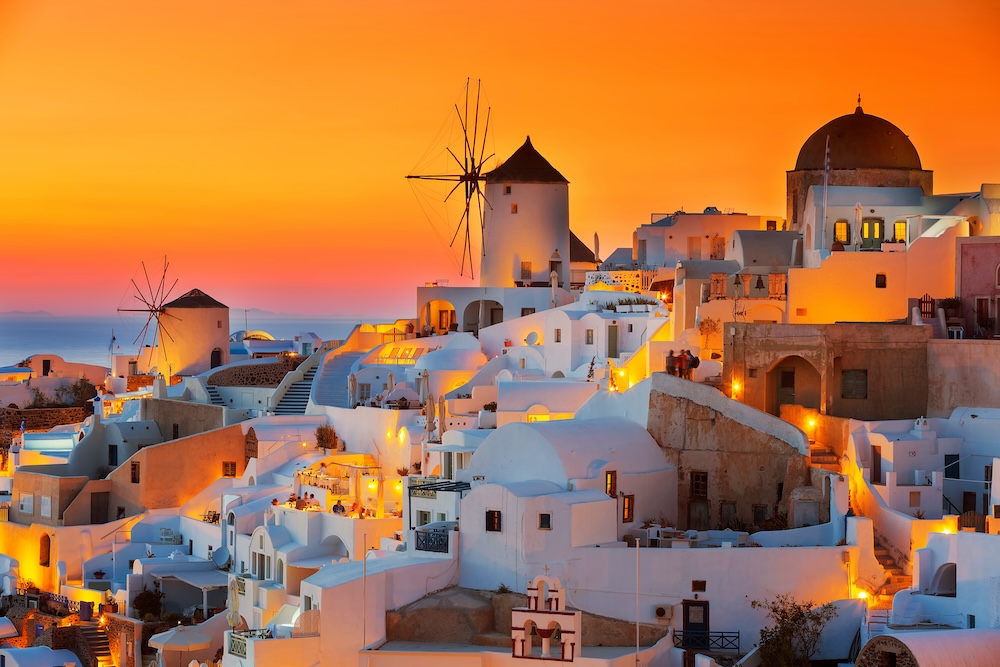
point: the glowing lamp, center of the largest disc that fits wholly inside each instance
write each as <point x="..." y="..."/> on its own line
<point x="862" y="595"/>
<point x="812" y="422"/>
<point x="946" y="531"/>
<point x="621" y="374"/>
<point x="372" y="485"/>
<point x="736" y="387"/>
<point x="305" y="444"/>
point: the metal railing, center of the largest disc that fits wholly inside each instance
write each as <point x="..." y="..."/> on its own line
<point x="709" y="641"/>
<point x="237" y="645"/>
<point x="432" y="540"/>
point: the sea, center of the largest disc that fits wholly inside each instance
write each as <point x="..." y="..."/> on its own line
<point x="92" y="339"/>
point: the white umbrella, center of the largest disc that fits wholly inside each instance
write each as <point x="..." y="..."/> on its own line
<point x="425" y="380"/>
<point x="554" y="279"/>
<point x="233" y="613"/>
<point x="429" y="413"/>
<point x="352" y="390"/>
<point x="391" y="383"/>
<point x="858" y="215"/>
<point x="442" y="412"/>
<point x="181" y="639"/>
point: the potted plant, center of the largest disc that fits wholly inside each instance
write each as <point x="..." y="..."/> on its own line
<point x="507" y="342"/>
<point x="99" y="574"/>
<point x="951" y="305"/>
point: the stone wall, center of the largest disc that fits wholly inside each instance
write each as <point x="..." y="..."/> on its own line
<point x="117" y="625"/>
<point x="265" y="373"/>
<point x="35" y="420"/>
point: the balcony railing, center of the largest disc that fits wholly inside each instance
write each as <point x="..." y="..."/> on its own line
<point x="708" y="641"/>
<point x="237" y="645"/>
<point x="241" y="585"/>
<point x="432" y="540"/>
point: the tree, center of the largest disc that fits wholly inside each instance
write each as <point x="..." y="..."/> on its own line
<point x="326" y="437"/>
<point x="707" y="327"/>
<point x="793" y="637"/>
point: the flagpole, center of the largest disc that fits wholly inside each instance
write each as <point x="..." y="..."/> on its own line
<point x="637" y="601"/>
<point x="826" y="183"/>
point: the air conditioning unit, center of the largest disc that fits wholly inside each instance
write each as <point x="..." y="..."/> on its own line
<point x="663" y="612"/>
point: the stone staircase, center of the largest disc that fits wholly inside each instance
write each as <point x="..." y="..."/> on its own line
<point x="331" y="388"/>
<point x="98" y="642"/>
<point x="820" y="456"/>
<point x="896" y="581"/>
<point x="296" y="399"/>
<point x="213" y="395"/>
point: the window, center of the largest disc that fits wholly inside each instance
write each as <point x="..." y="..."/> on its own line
<point x="527" y="311"/>
<point x="423" y="518"/>
<point x="759" y="515"/>
<point x="112" y="455"/>
<point x="229" y="468"/>
<point x="914" y="499"/>
<point x="951" y="466"/>
<point x="698" y="586"/>
<point x="44" y="545"/>
<point x="544" y="521"/>
<point x="525" y="270"/>
<point x="177" y="431"/>
<point x="699" y="485"/>
<point x="590" y="336"/>
<point x="506" y="189"/>
<point x="218" y="324"/>
<point x="879" y="281"/>
<point x="801" y="312"/>
<point x="493" y="523"/>
<point x="364" y="392"/>
<point x="772" y="225"/>
<point x="628" y="509"/>
<point x="513" y="209"/>
<point x="26" y="503"/>
<point x="135" y="472"/>
<point x="630" y="328"/>
<point x="611" y="483"/>
<point x="752" y="373"/>
<point x="899" y="231"/>
<point x="119" y="512"/>
<point x="558" y="335"/>
<point x="854" y="384"/>
<point x="842" y="231"/>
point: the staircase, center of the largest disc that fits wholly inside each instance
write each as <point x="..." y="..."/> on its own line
<point x="897" y="581"/>
<point x="296" y="399"/>
<point x="331" y="388"/>
<point x="213" y="395"/>
<point x="98" y="642"/>
<point x="822" y="457"/>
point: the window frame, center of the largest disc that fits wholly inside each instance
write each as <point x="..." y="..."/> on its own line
<point x="590" y="337"/>
<point x="545" y="521"/>
<point x="611" y="483"/>
<point x="136" y="472"/>
<point x="494" y="521"/>
<point x="628" y="508"/>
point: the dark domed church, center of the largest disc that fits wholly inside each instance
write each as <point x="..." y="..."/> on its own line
<point x="865" y="150"/>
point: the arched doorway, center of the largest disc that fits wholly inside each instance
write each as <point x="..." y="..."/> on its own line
<point x="44" y="548"/>
<point x="216" y="358"/>
<point x="438" y="317"/>
<point x="794" y="381"/>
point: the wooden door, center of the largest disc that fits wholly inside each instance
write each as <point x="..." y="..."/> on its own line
<point x="696" y="625"/>
<point x="99" y="507"/>
<point x="612" y="342"/>
<point x="876" y="465"/>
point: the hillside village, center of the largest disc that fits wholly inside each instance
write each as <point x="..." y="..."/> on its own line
<point x="585" y="460"/>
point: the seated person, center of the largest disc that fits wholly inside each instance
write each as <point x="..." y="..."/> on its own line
<point x="312" y="500"/>
<point x="339" y="507"/>
<point x="301" y="503"/>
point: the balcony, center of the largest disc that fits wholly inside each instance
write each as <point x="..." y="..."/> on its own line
<point x="708" y="641"/>
<point x="435" y="541"/>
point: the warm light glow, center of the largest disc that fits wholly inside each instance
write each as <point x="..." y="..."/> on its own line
<point x="388" y="435"/>
<point x="621" y="373"/>
<point x="946" y="531"/>
<point x="372" y="485"/>
<point x="736" y="387"/>
<point x="402" y="436"/>
<point x="305" y="444"/>
<point x="862" y="595"/>
<point x="812" y="423"/>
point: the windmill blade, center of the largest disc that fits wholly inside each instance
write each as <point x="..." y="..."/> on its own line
<point x="142" y="332"/>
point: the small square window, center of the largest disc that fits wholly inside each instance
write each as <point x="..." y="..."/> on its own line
<point x="506" y="189"/>
<point x="801" y="312"/>
<point x="590" y="336"/>
<point x="218" y="324"/>
<point x="772" y="225"/>
<point x="135" y="472"/>
<point x="229" y="468"/>
<point x="854" y="384"/>
<point x="558" y="336"/>
<point x="527" y="311"/>
<point x="914" y="499"/>
<point x="493" y="521"/>
<point x="513" y="209"/>
<point x="697" y="586"/>
<point x="525" y="270"/>
<point x="752" y="373"/>
<point x="879" y="281"/>
<point x="544" y="521"/>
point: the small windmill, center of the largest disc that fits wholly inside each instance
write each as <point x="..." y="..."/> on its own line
<point x="153" y="301"/>
<point x="468" y="172"/>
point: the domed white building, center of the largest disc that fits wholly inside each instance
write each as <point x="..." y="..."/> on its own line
<point x="192" y="337"/>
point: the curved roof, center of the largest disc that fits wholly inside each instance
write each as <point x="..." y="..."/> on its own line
<point x="526" y="165"/>
<point x="940" y="648"/>
<point x="560" y="451"/>
<point x="859" y="141"/>
<point x="449" y="358"/>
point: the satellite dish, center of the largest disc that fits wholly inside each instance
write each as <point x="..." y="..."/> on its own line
<point x="532" y="338"/>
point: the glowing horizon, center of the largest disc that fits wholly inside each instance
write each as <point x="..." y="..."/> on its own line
<point x="262" y="147"/>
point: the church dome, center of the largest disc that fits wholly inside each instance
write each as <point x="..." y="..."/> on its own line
<point x="859" y="141"/>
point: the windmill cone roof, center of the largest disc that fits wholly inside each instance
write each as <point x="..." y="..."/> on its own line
<point x="194" y="299"/>
<point x="578" y="250"/>
<point x="526" y="165"/>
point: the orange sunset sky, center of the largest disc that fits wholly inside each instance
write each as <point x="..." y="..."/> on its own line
<point x="262" y="146"/>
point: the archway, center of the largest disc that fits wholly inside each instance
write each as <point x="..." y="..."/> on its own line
<point x="438" y="317"/>
<point x="44" y="549"/>
<point x="792" y="380"/>
<point x="481" y="313"/>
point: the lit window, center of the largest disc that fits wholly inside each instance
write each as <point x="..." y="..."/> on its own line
<point x="229" y="468"/>
<point x="493" y="523"/>
<point x="545" y="521"/>
<point x="772" y="225"/>
<point x="611" y="483"/>
<point x="590" y="336"/>
<point x="879" y="281"/>
<point x="842" y="231"/>
<point x="899" y="231"/>
<point x="628" y="509"/>
<point x="558" y="335"/>
<point x="135" y="472"/>
<point x="525" y="270"/>
<point x="513" y="209"/>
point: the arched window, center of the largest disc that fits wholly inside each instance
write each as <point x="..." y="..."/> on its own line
<point x="280" y="572"/>
<point x="44" y="547"/>
<point x="231" y="519"/>
<point x="997" y="275"/>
